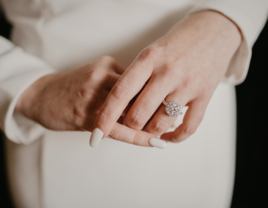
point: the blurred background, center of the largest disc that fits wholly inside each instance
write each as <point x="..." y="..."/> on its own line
<point x="251" y="178"/>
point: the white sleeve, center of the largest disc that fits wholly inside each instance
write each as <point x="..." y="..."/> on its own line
<point x="250" y="17"/>
<point x="18" y="70"/>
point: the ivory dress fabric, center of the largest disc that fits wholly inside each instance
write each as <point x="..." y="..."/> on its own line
<point x="49" y="169"/>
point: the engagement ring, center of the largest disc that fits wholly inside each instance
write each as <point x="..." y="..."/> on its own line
<point x="173" y="108"/>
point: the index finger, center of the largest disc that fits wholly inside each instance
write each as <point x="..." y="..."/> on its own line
<point x="128" y="85"/>
<point x="136" y="137"/>
<point x="131" y="136"/>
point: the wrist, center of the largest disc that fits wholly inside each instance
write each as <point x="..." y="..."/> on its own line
<point x="26" y="104"/>
<point x="221" y="25"/>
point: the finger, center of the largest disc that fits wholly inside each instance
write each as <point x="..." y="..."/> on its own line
<point x="161" y="121"/>
<point x="118" y="68"/>
<point x="111" y="63"/>
<point x="128" y="107"/>
<point x="131" y="136"/>
<point x="128" y="85"/>
<point x="191" y="121"/>
<point x="147" y="102"/>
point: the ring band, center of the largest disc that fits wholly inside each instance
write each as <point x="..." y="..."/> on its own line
<point x="173" y="108"/>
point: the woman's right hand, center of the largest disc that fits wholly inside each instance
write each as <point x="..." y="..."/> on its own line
<point x="71" y="101"/>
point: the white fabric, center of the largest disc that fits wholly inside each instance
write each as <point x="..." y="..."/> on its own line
<point x="250" y="17"/>
<point x="45" y="25"/>
<point x="59" y="169"/>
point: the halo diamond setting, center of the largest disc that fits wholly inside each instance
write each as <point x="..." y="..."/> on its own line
<point x="173" y="108"/>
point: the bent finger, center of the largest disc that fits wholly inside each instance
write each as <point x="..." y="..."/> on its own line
<point x="147" y="102"/>
<point x="191" y="121"/>
<point x="110" y="63"/>
<point x="161" y="120"/>
<point x="128" y="85"/>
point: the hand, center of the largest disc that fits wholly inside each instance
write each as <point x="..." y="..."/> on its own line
<point x="185" y="66"/>
<point x="71" y="101"/>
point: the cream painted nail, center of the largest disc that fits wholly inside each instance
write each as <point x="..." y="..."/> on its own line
<point x="96" y="137"/>
<point x="159" y="143"/>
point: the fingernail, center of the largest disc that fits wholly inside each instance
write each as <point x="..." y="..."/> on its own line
<point x="159" y="143"/>
<point x="95" y="137"/>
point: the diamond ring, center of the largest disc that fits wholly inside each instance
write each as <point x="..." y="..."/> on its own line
<point x="173" y="108"/>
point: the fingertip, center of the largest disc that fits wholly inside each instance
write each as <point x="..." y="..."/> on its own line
<point x="95" y="137"/>
<point x="167" y="136"/>
<point x="171" y="137"/>
<point x="158" y="143"/>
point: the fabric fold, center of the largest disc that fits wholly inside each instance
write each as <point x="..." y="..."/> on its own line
<point x="18" y="70"/>
<point x="243" y="13"/>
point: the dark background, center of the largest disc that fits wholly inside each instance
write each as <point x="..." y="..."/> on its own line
<point x="251" y="179"/>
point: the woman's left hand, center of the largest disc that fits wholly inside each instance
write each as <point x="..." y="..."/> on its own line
<point x="185" y="66"/>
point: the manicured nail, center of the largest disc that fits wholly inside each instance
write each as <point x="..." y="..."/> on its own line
<point x="96" y="137"/>
<point x="159" y="143"/>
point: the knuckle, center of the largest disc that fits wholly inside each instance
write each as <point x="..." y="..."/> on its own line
<point x="85" y="93"/>
<point x="149" y="53"/>
<point x="136" y="138"/>
<point x="135" y="119"/>
<point x="95" y="74"/>
<point x="159" y="126"/>
<point x="117" y="134"/>
<point x="109" y="62"/>
<point x="120" y="90"/>
<point x="109" y="76"/>
<point x="82" y="92"/>
<point x="79" y="117"/>
<point x="168" y="71"/>
<point x="107" y="59"/>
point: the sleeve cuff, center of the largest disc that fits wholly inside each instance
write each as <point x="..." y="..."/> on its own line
<point x="17" y="127"/>
<point x="250" y="19"/>
<point x="18" y="71"/>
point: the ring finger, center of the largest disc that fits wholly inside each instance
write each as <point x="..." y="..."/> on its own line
<point x="161" y="120"/>
<point x="147" y="103"/>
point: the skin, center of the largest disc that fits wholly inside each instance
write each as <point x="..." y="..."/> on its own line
<point x="185" y="65"/>
<point x="71" y="101"/>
